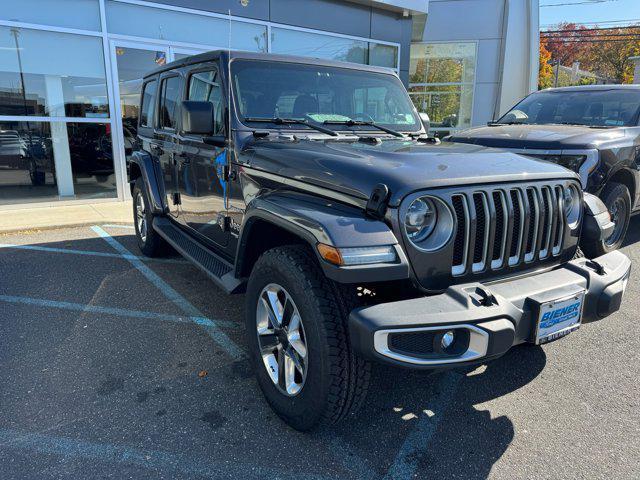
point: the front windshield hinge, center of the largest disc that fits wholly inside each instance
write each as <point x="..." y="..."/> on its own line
<point x="377" y="203"/>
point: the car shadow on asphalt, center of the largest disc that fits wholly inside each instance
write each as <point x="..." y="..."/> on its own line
<point x="466" y="440"/>
<point x="633" y="232"/>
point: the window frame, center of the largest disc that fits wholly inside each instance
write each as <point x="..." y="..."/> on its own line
<point x="208" y="68"/>
<point x="163" y="79"/>
<point x="152" y="123"/>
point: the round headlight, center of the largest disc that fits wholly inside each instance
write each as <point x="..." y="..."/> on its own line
<point x="420" y="219"/>
<point x="572" y="207"/>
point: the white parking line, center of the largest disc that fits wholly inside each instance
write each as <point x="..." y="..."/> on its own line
<point x="120" y="312"/>
<point x="157" y="461"/>
<point x="87" y="252"/>
<point x="213" y="330"/>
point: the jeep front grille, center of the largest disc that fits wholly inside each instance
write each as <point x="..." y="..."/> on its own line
<point x="504" y="227"/>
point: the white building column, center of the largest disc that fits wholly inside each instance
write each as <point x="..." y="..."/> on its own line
<point x="520" y="55"/>
<point x="59" y="137"/>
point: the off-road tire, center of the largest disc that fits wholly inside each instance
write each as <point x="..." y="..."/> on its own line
<point x="153" y="245"/>
<point x="337" y="379"/>
<point x="612" y="193"/>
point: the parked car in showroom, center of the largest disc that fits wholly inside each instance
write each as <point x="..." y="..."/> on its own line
<point x="311" y="186"/>
<point x="593" y="130"/>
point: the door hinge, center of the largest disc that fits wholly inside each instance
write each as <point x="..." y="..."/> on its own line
<point x="176" y="198"/>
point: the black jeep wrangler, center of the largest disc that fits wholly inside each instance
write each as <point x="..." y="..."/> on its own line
<point x="312" y="186"/>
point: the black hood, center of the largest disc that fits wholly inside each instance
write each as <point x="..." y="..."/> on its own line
<point x="544" y="137"/>
<point x="355" y="168"/>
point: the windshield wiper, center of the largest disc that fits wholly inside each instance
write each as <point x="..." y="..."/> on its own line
<point x="292" y="121"/>
<point x="353" y="123"/>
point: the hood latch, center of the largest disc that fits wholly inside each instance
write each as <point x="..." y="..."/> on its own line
<point x="377" y="203"/>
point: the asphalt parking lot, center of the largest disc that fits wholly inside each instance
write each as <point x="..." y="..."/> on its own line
<point x="114" y="366"/>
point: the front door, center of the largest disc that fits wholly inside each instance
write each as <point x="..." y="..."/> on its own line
<point x="200" y="167"/>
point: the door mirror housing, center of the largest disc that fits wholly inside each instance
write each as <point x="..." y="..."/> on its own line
<point x="198" y="118"/>
<point x="426" y="121"/>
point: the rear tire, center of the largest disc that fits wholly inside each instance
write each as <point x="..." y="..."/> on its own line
<point x="149" y="241"/>
<point x="617" y="199"/>
<point x="333" y="378"/>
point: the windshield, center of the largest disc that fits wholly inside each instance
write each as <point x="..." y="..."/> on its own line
<point x="321" y="95"/>
<point x="597" y="108"/>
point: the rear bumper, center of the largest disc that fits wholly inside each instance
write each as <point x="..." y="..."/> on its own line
<point x="490" y="318"/>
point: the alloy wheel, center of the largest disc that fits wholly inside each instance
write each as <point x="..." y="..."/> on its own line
<point x="281" y="339"/>
<point x="618" y="212"/>
<point x="141" y="217"/>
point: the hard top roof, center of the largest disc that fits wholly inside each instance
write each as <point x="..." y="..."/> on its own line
<point x="216" y="54"/>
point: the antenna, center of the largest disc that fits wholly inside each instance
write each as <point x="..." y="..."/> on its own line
<point x="229" y="74"/>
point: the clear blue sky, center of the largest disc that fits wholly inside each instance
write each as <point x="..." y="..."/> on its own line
<point x="588" y="11"/>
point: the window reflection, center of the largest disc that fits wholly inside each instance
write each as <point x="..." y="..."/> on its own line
<point x="293" y="42"/>
<point x="33" y="165"/>
<point x="441" y="80"/>
<point x="51" y="74"/>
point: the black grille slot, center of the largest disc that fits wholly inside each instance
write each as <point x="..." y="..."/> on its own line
<point x="500" y="225"/>
<point x="546" y="221"/>
<point x="413" y="343"/>
<point x="533" y="221"/>
<point x="460" y="241"/>
<point x="481" y="231"/>
<point x="515" y="238"/>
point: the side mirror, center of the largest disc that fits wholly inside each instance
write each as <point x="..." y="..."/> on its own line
<point x="426" y="121"/>
<point x="198" y="118"/>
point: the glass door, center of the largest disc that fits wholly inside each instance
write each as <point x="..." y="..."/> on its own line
<point x="178" y="53"/>
<point x="130" y="62"/>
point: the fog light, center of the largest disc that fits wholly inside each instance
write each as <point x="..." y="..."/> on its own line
<point x="447" y="339"/>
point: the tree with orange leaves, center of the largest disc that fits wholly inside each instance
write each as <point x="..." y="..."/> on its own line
<point x="545" y="71"/>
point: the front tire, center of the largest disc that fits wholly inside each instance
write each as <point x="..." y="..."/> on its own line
<point x="296" y="327"/>
<point x="617" y="199"/>
<point x="149" y="241"/>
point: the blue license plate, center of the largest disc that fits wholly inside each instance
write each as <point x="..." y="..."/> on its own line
<point x="559" y="318"/>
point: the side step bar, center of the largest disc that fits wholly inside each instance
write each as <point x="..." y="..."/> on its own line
<point x="216" y="268"/>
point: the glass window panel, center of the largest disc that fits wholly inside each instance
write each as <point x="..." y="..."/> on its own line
<point x="26" y="163"/>
<point x="133" y="64"/>
<point x="441" y="77"/>
<point x="383" y="55"/>
<point x="205" y="87"/>
<point x="442" y="63"/>
<point x="31" y="172"/>
<point x="52" y="74"/>
<point x="169" y="25"/>
<point x="293" y="42"/>
<point x="85" y="16"/>
<point x="169" y="102"/>
<point x="148" y="104"/>
<point x="91" y="155"/>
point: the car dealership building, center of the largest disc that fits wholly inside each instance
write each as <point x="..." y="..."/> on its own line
<point x="71" y="70"/>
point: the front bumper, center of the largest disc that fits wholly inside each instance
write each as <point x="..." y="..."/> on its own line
<point x="490" y="318"/>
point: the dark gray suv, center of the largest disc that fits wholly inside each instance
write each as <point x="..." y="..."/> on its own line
<point x="312" y="187"/>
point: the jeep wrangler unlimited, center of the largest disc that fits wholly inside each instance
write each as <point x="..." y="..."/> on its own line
<point x="312" y="186"/>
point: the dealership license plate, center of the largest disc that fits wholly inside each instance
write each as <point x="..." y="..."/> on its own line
<point x="559" y="318"/>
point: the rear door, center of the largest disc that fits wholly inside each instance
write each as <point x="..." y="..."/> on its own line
<point x="201" y="167"/>
<point x="165" y="137"/>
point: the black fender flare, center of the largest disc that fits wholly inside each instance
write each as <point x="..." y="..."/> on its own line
<point x="318" y="220"/>
<point x="150" y="172"/>
<point x="596" y="224"/>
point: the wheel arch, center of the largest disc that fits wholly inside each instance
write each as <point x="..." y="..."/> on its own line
<point x="286" y="218"/>
<point x="143" y="166"/>
<point x="625" y="177"/>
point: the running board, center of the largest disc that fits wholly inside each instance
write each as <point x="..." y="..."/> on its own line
<point x="216" y="268"/>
